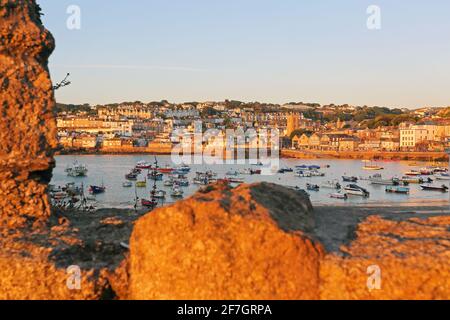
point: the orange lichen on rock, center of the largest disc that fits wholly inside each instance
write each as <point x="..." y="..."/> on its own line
<point x="413" y="258"/>
<point x="27" y="127"/>
<point x="251" y="242"/>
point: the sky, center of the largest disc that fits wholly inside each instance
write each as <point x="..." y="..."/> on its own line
<point x="274" y="51"/>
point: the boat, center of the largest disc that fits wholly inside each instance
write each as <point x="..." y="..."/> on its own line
<point x="426" y="172"/>
<point x="378" y="180"/>
<point x="201" y="181"/>
<point x="442" y="176"/>
<point x="339" y="195"/>
<point x="156" y="176"/>
<point x="76" y="170"/>
<point x="411" y="179"/>
<point x="356" y="190"/>
<point x="182" y="182"/>
<point x="428" y="187"/>
<point x="257" y="171"/>
<point x="331" y="185"/>
<point x="349" y="179"/>
<point x="97" y="189"/>
<point x="160" y="194"/>
<point x="149" y="203"/>
<point x="306" y="167"/>
<point x="166" y="170"/>
<point x="285" y="170"/>
<point x="373" y="168"/>
<point x="169" y="183"/>
<point x="233" y="180"/>
<point x="232" y="173"/>
<point x="143" y="165"/>
<point x="312" y="187"/>
<point x="303" y="174"/>
<point x="397" y="189"/>
<point x="127" y="184"/>
<point x="413" y="173"/>
<point x="131" y="176"/>
<point x="316" y="173"/>
<point x="176" y="193"/>
<point x="141" y="184"/>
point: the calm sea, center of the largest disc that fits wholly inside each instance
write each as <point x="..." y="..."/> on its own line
<point x="110" y="170"/>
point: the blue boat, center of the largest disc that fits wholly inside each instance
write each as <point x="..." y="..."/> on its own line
<point x="397" y="189"/>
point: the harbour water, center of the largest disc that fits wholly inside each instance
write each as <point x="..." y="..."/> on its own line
<point x="110" y="170"/>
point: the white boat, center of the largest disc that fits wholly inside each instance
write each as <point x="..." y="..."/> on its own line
<point x="127" y="184"/>
<point x="331" y="185"/>
<point x="378" y="180"/>
<point x="303" y="174"/>
<point x="160" y="194"/>
<point x="232" y="173"/>
<point x="77" y="170"/>
<point x="339" y="195"/>
<point x="316" y="173"/>
<point x="371" y="167"/>
<point x="353" y="189"/>
<point x="176" y="192"/>
<point x="168" y="183"/>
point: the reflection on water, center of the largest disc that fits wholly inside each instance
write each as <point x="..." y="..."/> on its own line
<point x="111" y="171"/>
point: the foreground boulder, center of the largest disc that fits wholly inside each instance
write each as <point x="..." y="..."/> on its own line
<point x="252" y="242"/>
<point x="410" y="258"/>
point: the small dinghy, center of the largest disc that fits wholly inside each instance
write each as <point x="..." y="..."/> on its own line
<point x="127" y="184"/>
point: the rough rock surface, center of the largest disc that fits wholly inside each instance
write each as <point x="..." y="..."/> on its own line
<point x="413" y="257"/>
<point x="251" y="242"/>
<point x="27" y="127"/>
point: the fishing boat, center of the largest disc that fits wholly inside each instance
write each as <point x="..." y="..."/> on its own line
<point x="413" y="173"/>
<point x="349" y="179"/>
<point x="397" y="189"/>
<point x="356" y="190"/>
<point x="143" y="165"/>
<point x="428" y="187"/>
<point x="285" y="170"/>
<point x="97" y="189"/>
<point x="76" y="170"/>
<point x="166" y="170"/>
<point x="183" y="168"/>
<point x="331" y="185"/>
<point x="442" y="176"/>
<point x="127" y="184"/>
<point x="339" y="195"/>
<point x="312" y="187"/>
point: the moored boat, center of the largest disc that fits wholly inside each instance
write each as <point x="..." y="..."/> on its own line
<point x="428" y="187"/>
<point x="149" y="203"/>
<point x="353" y="189"/>
<point x="97" y="189"/>
<point x="77" y="170"/>
<point x="349" y="179"/>
<point x="141" y="184"/>
<point x="331" y="185"/>
<point x="339" y="195"/>
<point x="312" y="187"/>
<point x="127" y="184"/>
<point x="413" y="173"/>
<point x="442" y="176"/>
<point x="397" y="189"/>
